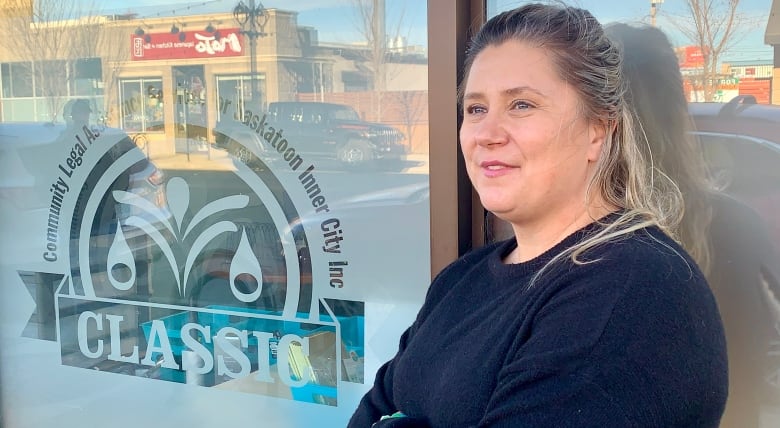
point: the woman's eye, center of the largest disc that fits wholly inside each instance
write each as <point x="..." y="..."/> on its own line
<point x="475" y="109"/>
<point x="521" y="105"/>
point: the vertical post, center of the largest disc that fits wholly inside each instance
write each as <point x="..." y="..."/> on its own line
<point x="379" y="53"/>
<point x="654" y="10"/>
<point x="652" y="13"/>
<point x="380" y="39"/>
<point x="322" y="83"/>
<point x="253" y="50"/>
<point x="451" y="193"/>
<point x="256" y="16"/>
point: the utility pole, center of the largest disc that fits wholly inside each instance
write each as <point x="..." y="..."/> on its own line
<point x="254" y="16"/>
<point x="653" y="10"/>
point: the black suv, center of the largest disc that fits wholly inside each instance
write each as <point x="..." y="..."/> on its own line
<point x="740" y="116"/>
<point x="322" y="130"/>
<point x="741" y="143"/>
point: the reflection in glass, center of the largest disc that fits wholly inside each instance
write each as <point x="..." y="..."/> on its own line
<point x="737" y="130"/>
<point x="235" y="94"/>
<point x="142" y="105"/>
<point x="210" y="234"/>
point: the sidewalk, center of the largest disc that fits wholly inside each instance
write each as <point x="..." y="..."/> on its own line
<point x="211" y="160"/>
<point x="220" y="160"/>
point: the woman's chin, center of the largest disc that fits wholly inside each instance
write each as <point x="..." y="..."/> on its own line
<point x="501" y="209"/>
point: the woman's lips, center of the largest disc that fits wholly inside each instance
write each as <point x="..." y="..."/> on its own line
<point x="495" y="168"/>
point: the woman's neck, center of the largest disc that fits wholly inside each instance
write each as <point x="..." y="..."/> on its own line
<point x="534" y="240"/>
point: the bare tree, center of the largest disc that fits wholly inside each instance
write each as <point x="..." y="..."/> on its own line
<point x="411" y="105"/>
<point x="113" y="47"/>
<point x="372" y="25"/>
<point x="713" y="26"/>
<point x="52" y="38"/>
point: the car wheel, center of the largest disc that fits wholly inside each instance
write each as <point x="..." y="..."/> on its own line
<point x="355" y="152"/>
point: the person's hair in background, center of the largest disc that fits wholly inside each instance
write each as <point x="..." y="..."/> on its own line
<point x="726" y="238"/>
<point x="66" y="109"/>
<point x="662" y="128"/>
<point x="76" y="112"/>
<point x="80" y="111"/>
<point x="588" y="60"/>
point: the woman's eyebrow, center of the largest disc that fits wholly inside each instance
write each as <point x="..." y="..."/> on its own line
<point x="469" y="96"/>
<point x="506" y="92"/>
<point x="521" y="89"/>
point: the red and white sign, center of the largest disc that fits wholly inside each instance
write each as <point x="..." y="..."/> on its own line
<point x="691" y="57"/>
<point x="186" y="44"/>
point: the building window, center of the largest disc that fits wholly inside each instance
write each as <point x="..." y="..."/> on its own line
<point x="51" y="78"/>
<point x="17" y="80"/>
<point x="236" y="97"/>
<point x="38" y="91"/>
<point x="142" y="105"/>
<point x="87" y="77"/>
<point x="355" y="81"/>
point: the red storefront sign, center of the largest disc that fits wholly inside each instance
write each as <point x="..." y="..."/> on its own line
<point x="691" y="57"/>
<point x="186" y="44"/>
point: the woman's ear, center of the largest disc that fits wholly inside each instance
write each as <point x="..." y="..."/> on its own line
<point x="598" y="134"/>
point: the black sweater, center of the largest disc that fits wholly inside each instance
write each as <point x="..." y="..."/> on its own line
<point x="632" y="339"/>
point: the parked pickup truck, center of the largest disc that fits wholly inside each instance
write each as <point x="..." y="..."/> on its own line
<point x="321" y="130"/>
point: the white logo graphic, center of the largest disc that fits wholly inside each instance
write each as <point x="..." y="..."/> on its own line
<point x="178" y="192"/>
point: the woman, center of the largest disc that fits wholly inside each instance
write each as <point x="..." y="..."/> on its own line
<point x="591" y="315"/>
<point x="727" y="239"/>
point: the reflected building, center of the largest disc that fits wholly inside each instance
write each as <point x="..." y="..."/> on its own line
<point x="174" y="78"/>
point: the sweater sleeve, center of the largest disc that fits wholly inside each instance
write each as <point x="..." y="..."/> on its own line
<point x="378" y="401"/>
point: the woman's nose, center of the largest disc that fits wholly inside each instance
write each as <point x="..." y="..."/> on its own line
<point x="491" y="131"/>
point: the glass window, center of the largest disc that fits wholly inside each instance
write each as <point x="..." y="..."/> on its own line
<point x="17" y="80"/>
<point x="49" y="85"/>
<point x="355" y="81"/>
<point x="171" y="238"/>
<point x="5" y="79"/>
<point x="237" y="93"/>
<point x="142" y="105"/>
<point x="52" y="78"/>
<point x="18" y="110"/>
<point x="86" y="77"/>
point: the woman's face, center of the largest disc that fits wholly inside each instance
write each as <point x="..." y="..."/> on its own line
<point x="529" y="152"/>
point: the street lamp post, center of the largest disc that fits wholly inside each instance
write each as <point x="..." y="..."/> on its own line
<point x="653" y="7"/>
<point x="252" y="19"/>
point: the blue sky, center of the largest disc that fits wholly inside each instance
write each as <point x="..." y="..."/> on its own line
<point x="336" y="22"/>
<point x="751" y="37"/>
